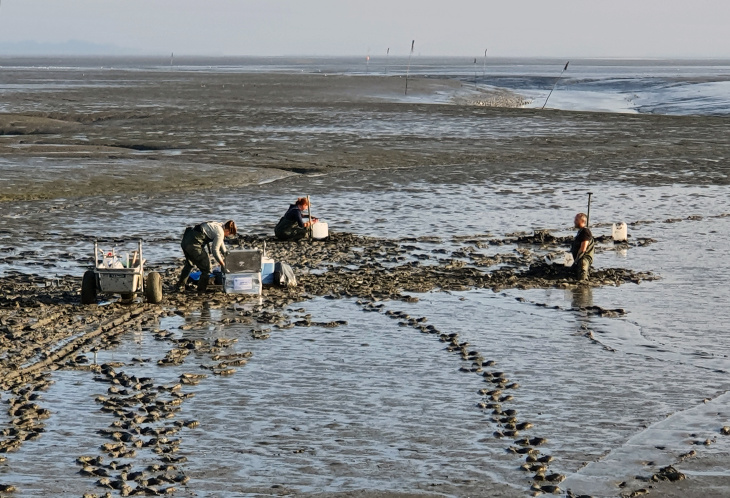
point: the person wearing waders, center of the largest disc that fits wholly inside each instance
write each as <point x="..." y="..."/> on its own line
<point x="582" y="248"/>
<point x="193" y="245"/>
<point x="291" y="226"/>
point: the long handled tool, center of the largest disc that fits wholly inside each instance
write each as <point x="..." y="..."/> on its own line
<point x="588" y="214"/>
<point x="309" y="216"/>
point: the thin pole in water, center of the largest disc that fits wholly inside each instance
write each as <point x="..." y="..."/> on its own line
<point x="475" y="72"/>
<point x="172" y="56"/>
<point x="408" y="69"/>
<point x="484" y="68"/>
<point x="309" y="216"/>
<point x="387" y="53"/>
<point x="556" y="83"/>
<point x="588" y="214"/>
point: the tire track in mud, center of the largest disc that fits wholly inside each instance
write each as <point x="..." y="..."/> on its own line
<point x="493" y="400"/>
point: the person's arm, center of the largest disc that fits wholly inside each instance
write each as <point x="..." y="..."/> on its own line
<point x="219" y="249"/>
<point x="300" y="220"/>
<point x="582" y="249"/>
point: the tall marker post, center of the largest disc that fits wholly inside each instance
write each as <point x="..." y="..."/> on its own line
<point x="408" y="69"/>
<point x="556" y="84"/>
<point x="484" y="67"/>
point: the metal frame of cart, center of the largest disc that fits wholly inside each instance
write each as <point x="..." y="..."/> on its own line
<point x="125" y="281"/>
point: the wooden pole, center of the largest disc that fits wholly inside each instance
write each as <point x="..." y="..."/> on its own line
<point x="408" y="68"/>
<point x="309" y="215"/>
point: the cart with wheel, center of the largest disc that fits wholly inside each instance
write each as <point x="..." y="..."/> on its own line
<point x="111" y="275"/>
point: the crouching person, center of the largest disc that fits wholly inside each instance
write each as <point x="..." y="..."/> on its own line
<point x="292" y="226"/>
<point x="193" y="245"/>
<point x="582" y="248"/>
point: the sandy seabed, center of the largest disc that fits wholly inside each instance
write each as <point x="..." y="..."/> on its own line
<point x="113" y="399"/>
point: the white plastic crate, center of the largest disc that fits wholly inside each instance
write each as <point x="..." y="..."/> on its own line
<point x="242" y="283"/>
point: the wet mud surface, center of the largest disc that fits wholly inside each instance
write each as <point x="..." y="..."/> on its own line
<point x="370" y="270"/>
<point x="429" y="349"/>
<point x="151" y="126"/>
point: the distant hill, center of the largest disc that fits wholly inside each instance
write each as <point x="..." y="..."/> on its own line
<point x="71" y="47"/>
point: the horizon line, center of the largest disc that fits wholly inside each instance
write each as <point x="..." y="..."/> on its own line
<point x="359" y="56"/>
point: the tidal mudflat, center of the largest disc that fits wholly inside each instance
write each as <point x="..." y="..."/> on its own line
<point x="428" y="348"/>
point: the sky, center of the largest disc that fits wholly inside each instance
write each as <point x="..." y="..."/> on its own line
<point x="507" y="28"/>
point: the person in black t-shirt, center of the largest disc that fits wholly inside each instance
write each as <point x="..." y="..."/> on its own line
<point x="582" y="248"/>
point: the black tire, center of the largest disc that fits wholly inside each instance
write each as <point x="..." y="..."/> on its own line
<point x="128" y="297"/>
<point x="153" y="288"/>
<point x="88" y="288"/>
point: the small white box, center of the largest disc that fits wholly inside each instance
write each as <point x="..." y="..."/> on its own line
<point x="267" y="271"/>
<point x="242" y="283"/>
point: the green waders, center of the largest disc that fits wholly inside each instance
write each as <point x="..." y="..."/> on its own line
<point x="289" y="230"/>
<point x="193" y="246"/>
<point x="583" y="265"/>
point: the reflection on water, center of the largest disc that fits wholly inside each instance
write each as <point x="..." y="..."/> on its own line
<point x="580" y="296"/>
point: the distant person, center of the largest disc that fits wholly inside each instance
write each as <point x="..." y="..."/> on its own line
<point x="582" y="248"/>
<point x="292" y="226"/>
<point x="193" y="245"/>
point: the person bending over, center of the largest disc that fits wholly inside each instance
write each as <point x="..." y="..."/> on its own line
<point x="193" y="245"/>
<point x="582" y="248"/>
<point x="291" y="226"/>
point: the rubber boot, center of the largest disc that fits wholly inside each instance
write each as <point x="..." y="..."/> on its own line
<point x="180" y="285"/>
<point x="203" y="283"/>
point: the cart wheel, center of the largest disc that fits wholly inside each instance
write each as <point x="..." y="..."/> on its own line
<point x="88" y="288"/>
<point x="153" y="288"/>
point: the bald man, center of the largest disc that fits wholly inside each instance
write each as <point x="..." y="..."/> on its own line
<point x="582" y="248"/>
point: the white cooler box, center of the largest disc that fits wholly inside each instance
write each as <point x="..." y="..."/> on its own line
<point x="245" y="267"/>
<point x="242" y="283"/>
<point x="243" y="261"/>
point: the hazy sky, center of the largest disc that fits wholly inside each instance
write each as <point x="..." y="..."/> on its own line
<point x="563" y="28"/>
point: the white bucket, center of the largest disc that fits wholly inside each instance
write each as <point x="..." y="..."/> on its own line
<point x="567" y="259"/>
<point x="619" y="232"/>
<point x="320" y="230"/>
